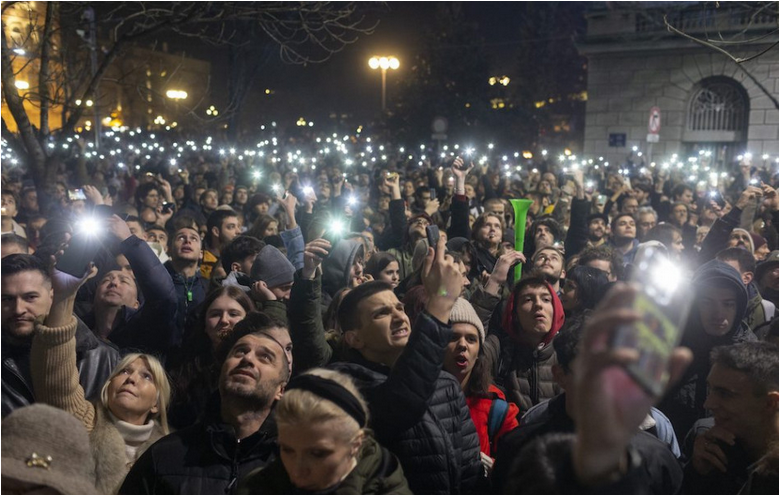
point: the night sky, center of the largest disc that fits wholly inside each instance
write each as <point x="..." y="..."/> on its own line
<point x="345" y="82"/>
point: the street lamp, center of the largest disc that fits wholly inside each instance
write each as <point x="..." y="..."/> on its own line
<point x="384" y="63"/>
<point x="177" y="94"/>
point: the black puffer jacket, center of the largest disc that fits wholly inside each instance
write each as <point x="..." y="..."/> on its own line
<point x="94" y="359"/>
<point x="420" y="414"/>
<point x="206" y="458"/>
<point x="684" y="404"/>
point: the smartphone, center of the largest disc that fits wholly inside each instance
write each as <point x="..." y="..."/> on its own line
<point x="433" y="235"/>
<point x="167" y="207"/>
<point x="663" y="298"/>
<point x="76" y="194"/>
<point x="433" y="194"/>
<point x="717" y="198"/>
<point x="80" y="252"/>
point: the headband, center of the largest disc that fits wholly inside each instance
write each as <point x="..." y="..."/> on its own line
<point x="332" y="391"/>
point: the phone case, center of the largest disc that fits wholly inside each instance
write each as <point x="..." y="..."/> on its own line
<point x="664" y="303"/>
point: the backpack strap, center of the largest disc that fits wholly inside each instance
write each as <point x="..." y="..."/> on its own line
<point x="497" y="414"/>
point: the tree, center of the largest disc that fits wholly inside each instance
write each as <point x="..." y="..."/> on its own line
<point x="553" y="74"/>
<point x="447" y="79"/>
<point x="304" y="32"/>
<point x="734" y="31"/>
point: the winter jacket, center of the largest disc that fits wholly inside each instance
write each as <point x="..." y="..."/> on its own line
<point x="657" y="470"/>
<point x="524" y="373"/>
<point x="684" y="403"/>
<point x="152" y="327"/>
<point x="206" y="458"/>
<point x="190" y="292"/>
<point x="460" y="218"/>
<point x="95" y="360"/>
<point x="294" y="243"/>
<point x="337" y="268"/>
<point x="418" y="411"/>
<point x="480" y="410"/>
<point x="56" y="383"/>
<point x="394" y="235"/>
<point x="306" y="327"/>
<point x="377" y="471"/>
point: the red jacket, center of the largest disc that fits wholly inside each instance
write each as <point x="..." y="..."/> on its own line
<point x="479" y="412"/>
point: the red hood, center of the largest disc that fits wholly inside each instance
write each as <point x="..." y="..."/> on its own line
<point x="558" y="317"/>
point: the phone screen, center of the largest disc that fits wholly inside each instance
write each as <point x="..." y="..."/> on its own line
<point x="76" y="194"/>
<point x="663" y="299"/>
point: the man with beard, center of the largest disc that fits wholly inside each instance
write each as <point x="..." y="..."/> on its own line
<point x="27" y="295"/>
<point x="237" y="433"/>
<point x="548" y="262"/>
<point x="596" y="230"/>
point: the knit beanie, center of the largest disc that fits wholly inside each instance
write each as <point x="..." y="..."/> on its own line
<point x="43" y="445"/>
<point x="758" y="241"/>
<point x="272" y="267"/>
<point x="463" y="312"/>
<point x="752" y="247"/>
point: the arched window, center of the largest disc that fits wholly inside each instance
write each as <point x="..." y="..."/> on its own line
<point x="718" y="111"/>
<point x="717" y="119"/>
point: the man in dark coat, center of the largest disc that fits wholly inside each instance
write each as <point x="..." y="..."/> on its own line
<point x="715" y="320"/>
<point x="736" y="451"/>
<point x="27" y="295"/>
<point x="417" y="410"/>
<point x="238" y="433"/>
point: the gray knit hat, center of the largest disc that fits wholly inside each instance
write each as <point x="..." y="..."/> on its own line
<point x="272" y="267"/>
<point x="463" y="312"/>
<point x="46" y="446"/>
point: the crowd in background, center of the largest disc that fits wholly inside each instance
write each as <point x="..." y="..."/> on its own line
<point x="335" y="314"/>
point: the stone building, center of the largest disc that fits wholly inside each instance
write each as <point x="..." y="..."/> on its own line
<point x="705" y="100"/>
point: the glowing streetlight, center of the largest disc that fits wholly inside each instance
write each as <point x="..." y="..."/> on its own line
<point x="176" y="94"/>
<point x="384" y="63"/>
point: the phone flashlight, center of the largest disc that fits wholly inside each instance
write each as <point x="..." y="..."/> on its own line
<point x="307" y="190"/>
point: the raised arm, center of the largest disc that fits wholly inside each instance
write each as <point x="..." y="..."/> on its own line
<point x="53" y="355"/>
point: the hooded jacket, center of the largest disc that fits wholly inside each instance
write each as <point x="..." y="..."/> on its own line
<point x="525" y="373"/>
<point x="377" y="471"/>
<point x="684" y="404"/>
<point x="337" y="268"/>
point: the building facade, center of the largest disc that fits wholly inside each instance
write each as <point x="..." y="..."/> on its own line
<point x="702" y="98"/>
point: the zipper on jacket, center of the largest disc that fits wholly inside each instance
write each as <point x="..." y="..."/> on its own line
<point x="231" y="488"/>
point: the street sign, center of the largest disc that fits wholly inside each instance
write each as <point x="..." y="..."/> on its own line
<point x="440" y="136"/>
<point x="653" y="138"/>
<point x="617" y="140"/>
<point x="654" y="123"/>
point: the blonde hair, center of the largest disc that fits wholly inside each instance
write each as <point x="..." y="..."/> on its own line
<point x="160" y="379"/>
<point x="298" y="406"/>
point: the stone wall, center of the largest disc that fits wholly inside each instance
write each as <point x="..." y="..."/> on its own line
<point x="622" y="86"/>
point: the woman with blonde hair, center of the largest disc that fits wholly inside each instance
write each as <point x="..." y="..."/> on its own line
<point x="325" y="446"/>
<point x="131" y="413"/>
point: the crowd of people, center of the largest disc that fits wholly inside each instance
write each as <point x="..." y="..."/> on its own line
<point x="335" y="315"/>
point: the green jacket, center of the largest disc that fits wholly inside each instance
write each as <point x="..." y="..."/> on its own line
<point x="377" y="472"/>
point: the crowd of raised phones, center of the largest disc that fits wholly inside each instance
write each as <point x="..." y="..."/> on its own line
<point x="336" y="315"/>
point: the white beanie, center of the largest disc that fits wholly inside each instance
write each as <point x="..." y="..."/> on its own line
<point x="463" y="312"/>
